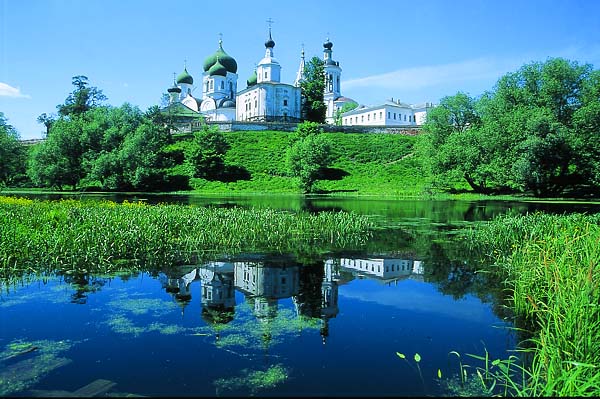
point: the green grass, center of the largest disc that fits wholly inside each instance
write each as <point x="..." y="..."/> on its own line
<point x="102" y="236"/>
<point x="551" y="266"/>
<point x="364" y="164"/>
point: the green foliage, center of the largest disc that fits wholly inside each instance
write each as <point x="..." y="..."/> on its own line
<point x="205" y="156"/>
<point x="82" y="98"/>
<point x="100" y="236"/>
<point x="345" y="108"/>
<point x="308" y="155"/>
<point x="531" y="133"/>
<point x="12" y="154"/>
<point x="550" y="266"/>
<point x="314" y="108"/>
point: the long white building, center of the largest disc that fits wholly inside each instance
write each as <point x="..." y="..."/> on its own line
<point x="390" y="113"/>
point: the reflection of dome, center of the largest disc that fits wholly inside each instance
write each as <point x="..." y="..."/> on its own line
<point x="225" y="59"/>
<point x="252" y="79"/>
<point x="185" y="77"/>
<point x="228" y="104"/>
<point x="174" y="89"/>
<point x="206" y="274"/>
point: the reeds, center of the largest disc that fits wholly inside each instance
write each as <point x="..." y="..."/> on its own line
<point x="551" y="265"/>
<point x="102" y="236"/>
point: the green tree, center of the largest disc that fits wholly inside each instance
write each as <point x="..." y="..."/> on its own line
<point x="57" y="161"/>
<point x="47" y="121"/>
<point x="13" y="154"/>
<point x="349" y="106"/>
<point x="308" y="155"/>
<point x="82" y="98"/>
<point x="534" y="132"/>
<point x="314" y="108"/>
<point x="205" y="156"/>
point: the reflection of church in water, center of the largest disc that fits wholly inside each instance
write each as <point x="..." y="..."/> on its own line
<point x="264" y="282"/>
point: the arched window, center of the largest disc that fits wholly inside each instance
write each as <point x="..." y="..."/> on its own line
<point x="222" y="85"/>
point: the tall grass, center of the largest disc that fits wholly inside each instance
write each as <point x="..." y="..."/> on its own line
<point x="551" y="265"/>
<point x="101" y="236"/>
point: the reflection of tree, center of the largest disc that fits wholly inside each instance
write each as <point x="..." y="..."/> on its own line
<point x="308" y="299"/>
<point x="84" y="285"/>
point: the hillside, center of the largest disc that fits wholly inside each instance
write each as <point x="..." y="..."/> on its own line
<point x="364" y="164"/>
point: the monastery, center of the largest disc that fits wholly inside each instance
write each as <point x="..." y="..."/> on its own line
<point x="266" y="99"/>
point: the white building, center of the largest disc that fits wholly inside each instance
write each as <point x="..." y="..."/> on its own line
<point x="390" y="113"/>
<point x="266" y="98"/>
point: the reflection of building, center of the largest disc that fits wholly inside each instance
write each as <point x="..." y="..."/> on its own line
<point x="329" y="296"/>
<point x="383" y="269"/>
<point x="179" y="285"/>
<point x="264" y="284"/>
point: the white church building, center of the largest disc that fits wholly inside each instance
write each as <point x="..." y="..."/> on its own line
<point x="267" y="99"/>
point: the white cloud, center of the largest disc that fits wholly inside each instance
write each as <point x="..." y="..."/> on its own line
<point x="435" y="75"/>
<point x="9" y="91"/>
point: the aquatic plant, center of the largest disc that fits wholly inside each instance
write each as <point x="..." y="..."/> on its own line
<point x="551" y="267"/>
<point x="24" y="363"/>
<point x="253" y="381"/>
<point x="102" y="236"/>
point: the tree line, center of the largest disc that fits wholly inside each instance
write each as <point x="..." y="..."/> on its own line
<point x="535" y="132"/>
<point x="92" y="145"/>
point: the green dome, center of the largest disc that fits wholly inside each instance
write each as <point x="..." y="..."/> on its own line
<point x="185" y="77"/>
<point x="217" y="69"/>
<point x="225" y="59"/>
<point x="252" y="79"/>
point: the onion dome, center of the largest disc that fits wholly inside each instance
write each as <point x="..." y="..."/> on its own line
<point x="185" y="77"/>
<point x="270" y="43"/>
<point x="252" y="79"/>
<point x="226" y="60"/>
<point x="328" y="45"/>
<point x="217" y="69"/>
<point x="228" y="104"/>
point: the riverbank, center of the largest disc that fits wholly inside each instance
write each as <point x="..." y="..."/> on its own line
<point x="551" y="267"/>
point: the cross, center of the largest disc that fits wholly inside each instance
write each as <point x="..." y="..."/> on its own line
<point x="174" y="78"/>
<point x="270" y="21"/>
<point x="184" y="64"/>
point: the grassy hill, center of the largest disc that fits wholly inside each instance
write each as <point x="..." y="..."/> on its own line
<point x="364" y="164"/>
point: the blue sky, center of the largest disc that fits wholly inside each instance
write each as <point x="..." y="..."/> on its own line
<point x="409" y="50"/>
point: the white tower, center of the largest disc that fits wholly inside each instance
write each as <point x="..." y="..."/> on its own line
<point x="268" y="69"/>
<point x="333" y="74"/>
<point x="300" y="73"/>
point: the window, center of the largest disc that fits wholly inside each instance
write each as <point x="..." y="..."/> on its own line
<point x="368" y="117"/>
<point x="362" y="118"/>
<point x="380" y="115"/>
<point x="389" y="115"/>
<point x="265" y="75"/>
<point x="255" y="103"/>
<point x="405" y="117"/>
<point x="394" y="115"/>
<point x="211" y="85"/>
<point x="285" y="103"/>
<point x="222" y="85"/>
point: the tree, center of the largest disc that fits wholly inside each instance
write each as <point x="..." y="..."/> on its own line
<point x="12" y="154"/>
<point x="47" y="121"/>
<point x="345" y="108"/>
<point x="308" y="155"/>
<point x="82" y="98"/>
<point x="536" y="131"/>
<point x="314" y="108"/>
<point x="205" y="157"/>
